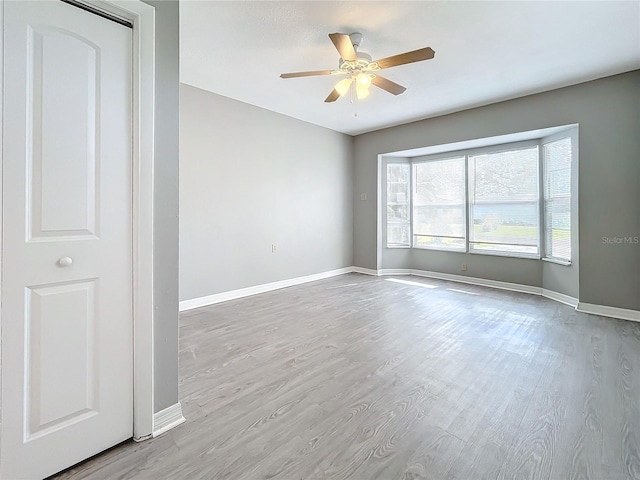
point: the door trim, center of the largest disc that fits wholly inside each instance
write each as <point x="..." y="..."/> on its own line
<point x="142" y="16"/>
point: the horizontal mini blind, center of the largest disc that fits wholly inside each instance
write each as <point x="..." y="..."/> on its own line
<point x="557" y="195"/>
<point x="504" y="202"/>
<point x="439" y="216"/>
<point x="398" y="204"/>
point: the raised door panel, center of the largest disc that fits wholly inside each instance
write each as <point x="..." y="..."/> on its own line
<point x="62" y="114"/>
<point x="60" y="341"/>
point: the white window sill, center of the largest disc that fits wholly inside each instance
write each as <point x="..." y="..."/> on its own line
<point x="440" y="249"/>
<point x="558" y="261"/>
<point x="531" y="256"/>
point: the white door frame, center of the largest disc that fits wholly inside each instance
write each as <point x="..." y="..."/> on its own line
<point x="142" y="16"/>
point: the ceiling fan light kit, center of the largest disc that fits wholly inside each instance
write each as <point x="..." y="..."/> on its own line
<point x="363" y="82"/>
<point x="358" y="66"/>
<point x="343" y="86"/>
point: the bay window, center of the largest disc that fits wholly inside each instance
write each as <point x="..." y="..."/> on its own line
<point x="511" y="199"/>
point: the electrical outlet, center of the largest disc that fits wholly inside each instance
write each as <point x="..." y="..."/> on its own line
<point x="363" y="196"/>
<point x="274" y="249"/>
<point x="463" y="267"/>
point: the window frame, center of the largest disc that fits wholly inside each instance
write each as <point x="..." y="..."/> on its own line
<point x="571" y="131"/>
<point x="385" y="183"/>
<point x="571" y="134"/>
<point x="452" y="155"/>
<point x="496" y="149"/>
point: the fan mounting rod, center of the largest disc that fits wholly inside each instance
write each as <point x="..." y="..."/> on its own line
<point x="356" y="39"/>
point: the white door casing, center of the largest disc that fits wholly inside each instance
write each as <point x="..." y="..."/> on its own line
<point x="74" y="225"/>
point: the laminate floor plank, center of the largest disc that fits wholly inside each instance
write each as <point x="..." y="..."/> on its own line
<point x="533" y="452"/>
<point x="488" y="448"/>
<point x="621" y="369"/>
<point x="583" y="430"/>
<point x="359" y="377"/>
<point x="431" y="460"/>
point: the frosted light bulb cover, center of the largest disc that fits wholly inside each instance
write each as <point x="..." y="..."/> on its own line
<point x="362" y="91"/>
<point x="342" y="86"/>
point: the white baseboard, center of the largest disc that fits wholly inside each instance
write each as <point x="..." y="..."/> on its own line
<point x="265" y="287"/>
<point x="166" y="419"/>
<point x="622" y="313"/>
<point x="395" y="271"/>
<point x="483" y="282"/>
<point x="560" y="297"/>
<point x="606" y="311"/>
<point x="366" y="271"/>
<point x="614" y="312"/>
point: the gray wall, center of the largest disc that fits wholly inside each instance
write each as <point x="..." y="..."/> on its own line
<point x="165" y="229"/>
<point x="250" y="178"/>
<point x="608" y="114"/>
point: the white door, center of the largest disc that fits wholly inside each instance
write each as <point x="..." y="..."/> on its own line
<point x="67" y="372"/>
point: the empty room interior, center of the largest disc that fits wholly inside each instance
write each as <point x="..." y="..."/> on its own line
<point x="345" y="240"/>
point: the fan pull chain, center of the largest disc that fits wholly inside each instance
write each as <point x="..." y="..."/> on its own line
<point x="353" y="101"/>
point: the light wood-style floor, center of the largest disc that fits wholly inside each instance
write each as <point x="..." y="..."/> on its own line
<point x="357" y="377"/>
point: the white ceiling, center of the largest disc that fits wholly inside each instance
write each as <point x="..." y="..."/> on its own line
<point x="485" y="52"/>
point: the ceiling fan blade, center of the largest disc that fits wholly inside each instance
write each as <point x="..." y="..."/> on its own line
<point x="333" y="96"/>
<point x="388" y="85"/>
<point x="426" y="53"/>
<point x="306" y="74"/>
<point x="344" y="46"/>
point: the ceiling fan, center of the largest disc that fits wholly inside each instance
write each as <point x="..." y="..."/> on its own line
<point x="360" y="69"/>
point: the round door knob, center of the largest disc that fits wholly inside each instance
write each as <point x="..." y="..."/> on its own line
<point x="65" y="261"/>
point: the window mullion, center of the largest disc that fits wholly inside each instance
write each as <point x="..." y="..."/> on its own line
<point x="542" y="202"/>
<point x="411" y="195"/>
<point x="467" y="200"/>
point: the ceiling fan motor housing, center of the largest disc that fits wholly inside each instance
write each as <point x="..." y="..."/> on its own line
<point x="364" y="59"/>
<point x="364" y="62"/>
